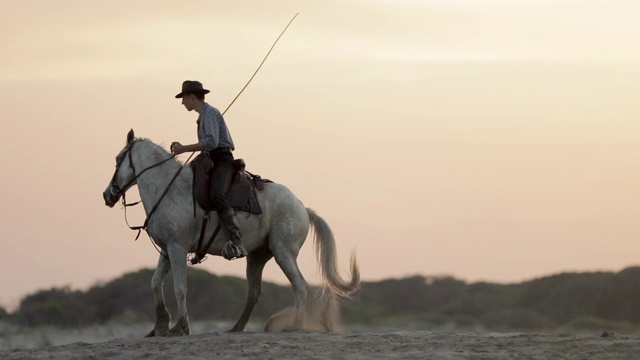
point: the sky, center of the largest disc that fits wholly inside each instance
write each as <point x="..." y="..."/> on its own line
<point x="489" y="140"/>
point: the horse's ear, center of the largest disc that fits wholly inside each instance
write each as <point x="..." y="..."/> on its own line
<point x="130" y="136"/>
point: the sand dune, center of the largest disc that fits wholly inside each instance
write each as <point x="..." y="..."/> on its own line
<point x="392" y="344"/>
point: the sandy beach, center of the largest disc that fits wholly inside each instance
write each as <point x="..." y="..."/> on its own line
<point x="391" y="344"/>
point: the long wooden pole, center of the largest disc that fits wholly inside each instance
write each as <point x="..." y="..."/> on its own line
<point x="263" y="60"/>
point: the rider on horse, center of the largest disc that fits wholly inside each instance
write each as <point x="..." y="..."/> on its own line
<point x="214" y="140"/>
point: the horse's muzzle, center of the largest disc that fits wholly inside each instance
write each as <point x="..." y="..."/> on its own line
<point x="110" y="197"/>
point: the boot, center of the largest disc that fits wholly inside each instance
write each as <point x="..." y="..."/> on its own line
<point x="233" y="249"/>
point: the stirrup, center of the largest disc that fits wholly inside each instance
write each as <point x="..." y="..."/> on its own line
<point x="232" y="251"/>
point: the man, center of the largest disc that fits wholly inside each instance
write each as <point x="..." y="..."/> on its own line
<point x="215" y="141"/>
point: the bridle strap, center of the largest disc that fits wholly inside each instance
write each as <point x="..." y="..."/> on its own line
<point x="125" y="205"/>
<point x="136" y="176"/>
<point x="155" y="207"/>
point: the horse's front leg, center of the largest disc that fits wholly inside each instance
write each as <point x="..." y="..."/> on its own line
<point x="178" y="258"/>
<point x="163" y="318"/>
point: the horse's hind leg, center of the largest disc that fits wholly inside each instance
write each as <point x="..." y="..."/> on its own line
<point x="163" y="319"/>
<point x="329" y="312"/>
<point x="285" y="250"/>
<point x="255" y="265"/>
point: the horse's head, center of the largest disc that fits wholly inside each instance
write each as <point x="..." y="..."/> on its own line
<point x="124" y="177"/>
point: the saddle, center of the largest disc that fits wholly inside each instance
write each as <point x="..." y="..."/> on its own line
<point x="241" y="195"/>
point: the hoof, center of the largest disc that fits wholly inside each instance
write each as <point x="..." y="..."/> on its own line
<point x="294" y="329"/>
<point x="174" y="333"/>
<point x="296" y="326"/>
<point x="180" y="329"/>
<point x="155" y="332"/>
<point x="177" y="331"/>
<point x="234" y="330"/>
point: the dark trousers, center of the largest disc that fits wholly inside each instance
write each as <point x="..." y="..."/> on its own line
<point x="221" y="178"/>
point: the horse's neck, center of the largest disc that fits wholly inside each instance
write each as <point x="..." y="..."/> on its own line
<point x="155" y="181"/>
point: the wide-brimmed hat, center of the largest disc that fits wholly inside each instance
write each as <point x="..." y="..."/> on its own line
<point x="191" y="87"/>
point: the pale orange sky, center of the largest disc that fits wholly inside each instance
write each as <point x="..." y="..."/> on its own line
<point x="490" y="140"/>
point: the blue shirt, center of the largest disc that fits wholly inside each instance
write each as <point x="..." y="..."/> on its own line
<point x="212" y="130"/>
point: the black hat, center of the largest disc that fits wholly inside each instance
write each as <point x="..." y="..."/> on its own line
<point x="191" y="87"/>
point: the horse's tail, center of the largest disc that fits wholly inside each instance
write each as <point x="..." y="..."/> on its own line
<point x="325" y="246"/>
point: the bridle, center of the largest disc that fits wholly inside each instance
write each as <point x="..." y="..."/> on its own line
<point x="121" y="191"/>
<point x="129" y="149"/>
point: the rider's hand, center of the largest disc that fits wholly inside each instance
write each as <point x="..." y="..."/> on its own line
<point x="177" y="148"/>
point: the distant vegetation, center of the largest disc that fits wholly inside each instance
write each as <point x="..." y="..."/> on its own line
<point x="129" y="298"/>
<point x="570" y="301"/>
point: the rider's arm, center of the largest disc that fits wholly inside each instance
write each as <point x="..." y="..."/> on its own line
<point x="177" y="148"/>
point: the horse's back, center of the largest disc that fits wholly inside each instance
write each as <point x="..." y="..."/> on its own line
<point x="281" y="206"/>
<point x="279" y="198"/>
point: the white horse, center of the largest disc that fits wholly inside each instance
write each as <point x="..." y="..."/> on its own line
<point x="279" y="232"/>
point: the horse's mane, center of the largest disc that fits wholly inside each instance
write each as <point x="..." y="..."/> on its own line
<point x="160" y="152"/>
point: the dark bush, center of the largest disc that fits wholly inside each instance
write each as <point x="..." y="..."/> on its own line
<point x="57" y="306"/>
